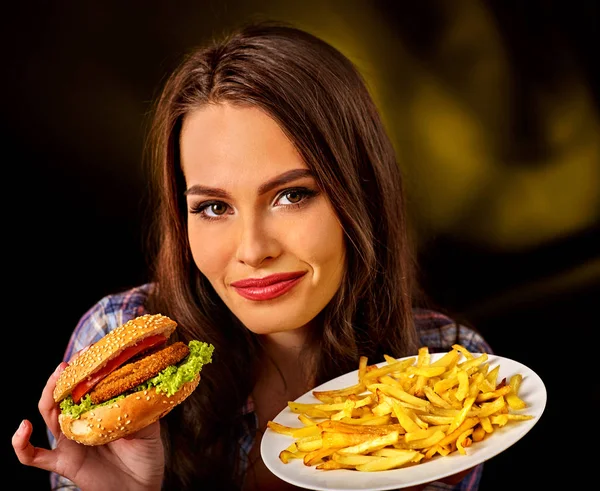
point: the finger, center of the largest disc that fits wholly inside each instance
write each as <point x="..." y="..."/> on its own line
<point x="150" y="432"/>
<point x="46" y="405"/>
<point x="27" y="453"/>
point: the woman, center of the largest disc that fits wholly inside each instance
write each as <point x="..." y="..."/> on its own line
<point x="281" y="239"/>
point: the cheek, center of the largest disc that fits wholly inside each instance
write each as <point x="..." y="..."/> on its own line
<point x="321" y="242"/>
<point x="208" y="254"/>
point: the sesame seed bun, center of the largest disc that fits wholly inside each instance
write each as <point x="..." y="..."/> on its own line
<point x="99" y="353"/>
<point x="119" y="417"/>
<point x="104" y="424"/>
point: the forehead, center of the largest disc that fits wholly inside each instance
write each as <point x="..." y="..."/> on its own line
<point x="232" y="143"/>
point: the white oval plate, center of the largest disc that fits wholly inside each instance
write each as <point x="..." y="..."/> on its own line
<point x="532" y="391"/>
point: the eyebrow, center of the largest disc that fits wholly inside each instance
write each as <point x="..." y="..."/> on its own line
<point x="277" y="181"/>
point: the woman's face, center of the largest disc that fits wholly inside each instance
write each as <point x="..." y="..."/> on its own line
<point x="260" y="229"/>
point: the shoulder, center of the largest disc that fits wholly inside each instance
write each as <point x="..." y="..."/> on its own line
<point x="107" y="314"/>
<point x="439" y="332"/>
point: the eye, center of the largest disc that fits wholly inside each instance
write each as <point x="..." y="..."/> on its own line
<point x="295" y="196"/>
<point x="210" y="209"/>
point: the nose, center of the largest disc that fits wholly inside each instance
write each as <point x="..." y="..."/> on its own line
<point x="256" y="243"/>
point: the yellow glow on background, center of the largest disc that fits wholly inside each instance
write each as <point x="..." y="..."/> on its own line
<point x="449" y="120"/>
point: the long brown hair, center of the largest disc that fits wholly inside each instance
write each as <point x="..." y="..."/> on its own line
<point x="322" y="103"/>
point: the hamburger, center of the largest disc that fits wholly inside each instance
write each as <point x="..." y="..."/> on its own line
<point x="127" y="380"/>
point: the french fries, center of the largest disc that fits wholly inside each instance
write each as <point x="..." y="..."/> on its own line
<point x="403" y="413"/>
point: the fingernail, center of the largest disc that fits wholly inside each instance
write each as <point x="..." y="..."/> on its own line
<point x="57" y="369"/>
<point x="21" y="427"/>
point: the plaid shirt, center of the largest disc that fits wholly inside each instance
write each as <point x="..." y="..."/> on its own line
<point x="436" y="331"/>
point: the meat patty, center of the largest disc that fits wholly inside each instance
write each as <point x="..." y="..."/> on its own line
<point x="133" y="374"/>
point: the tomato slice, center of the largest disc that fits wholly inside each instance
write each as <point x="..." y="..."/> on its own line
<point x="85" y="386"/>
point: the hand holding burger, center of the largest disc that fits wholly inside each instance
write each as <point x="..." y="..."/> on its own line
<point x="127" y="380"/>
<point x="105" y="460"/>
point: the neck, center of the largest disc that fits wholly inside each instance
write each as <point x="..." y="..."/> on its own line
<point x="288" y="359"/>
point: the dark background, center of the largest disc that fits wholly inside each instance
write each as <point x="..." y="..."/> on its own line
<point x="493" y="107"/>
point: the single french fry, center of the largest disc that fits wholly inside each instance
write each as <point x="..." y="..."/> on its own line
<point x="426" y="372"/>
<point x="421" y="434"/>
<point x="330" y="465"/>
<point x="445" y="384"/>
<point x="339" y="440"/>
<point x="339" y="426"/>
<point x="489" y="408"/>
<point x="473" y="363"/>
<point x="340" y="406"/>
<point x="362" y="368"/>
<point x="488" y="396"/>
<point x="386" y="369"/>
<point x="462" y="439"/>
<point x="437" y="420"/>
<point x="308" y="409"/>
<point x="389" y="359"/>
<point x="352" y="459"/>
<point x="371" y="444"/>
<point x="306" y="421"/>
<point x="478" y="433"/>
<point x="316" y="456"/>
<point x="475" y="384"/>
<point x="435" y="399"/>
<point x="329" y="395"/>
<point x="369" y="420"/>
<point x="512" y="398"/>
<point x="436" y="437"/>
<point x="312" y="430"/>
<point x="309" y="443"/>
<point x="499" y="419"/>
<point x="404" y="418"/>
<point x="285" y="455"/>
<point x="518" y="417"/>
<point x="463" y="385"/>
<point x="382" y="409"/>
<point x="463" y="351"/>
<point x="399" y="394"/>
<point x="281" y="429"/>
<point x="486" y="424"/>
<point x="492" y="377"/>
<point x="423" y="356"/>
<point x="462" y="414"/>
<point x="387" y="463"/>
<point x="448" y="360"/>
<point x="451" y="437"/>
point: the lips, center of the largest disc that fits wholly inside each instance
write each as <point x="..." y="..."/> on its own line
<point x="269" y="287"/>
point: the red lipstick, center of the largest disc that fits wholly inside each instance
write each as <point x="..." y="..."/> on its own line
<point x="268" y="287"/>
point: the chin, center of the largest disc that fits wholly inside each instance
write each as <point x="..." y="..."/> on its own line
<point x="266" y="322"/>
